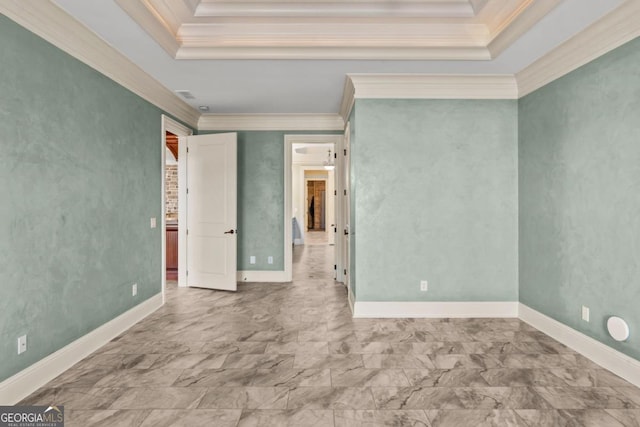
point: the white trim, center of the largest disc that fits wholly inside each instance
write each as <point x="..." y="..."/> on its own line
<point x="288" y="213"/>
<point x="433" y="309"/>
<point x="182" y="211"/>
<point x="605" y="356"/>
<point x="163" y="35"/>
<point x="519" y="23"/>
<point x="263" y="276"/>
<point x="348" y="99"/>
<point x="163" y="210"/>
<point x="25" y="382"/>
<point x="351" y="301"/>
<point x="434" y="86"/>
<point x="175" y="127"/>
<point x="284" y="122"/>
<point x="399" y="53"/>
<point x="53" y="24"/>
<point x="613" y="30"/>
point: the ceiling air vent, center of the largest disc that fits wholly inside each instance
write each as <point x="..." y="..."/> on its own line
<point x="185" y="94"/>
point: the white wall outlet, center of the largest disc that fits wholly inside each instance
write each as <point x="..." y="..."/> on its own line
<point x="134" y="289"/>
<point x="252" y="259"/>
<point x="585" y="313"/>
<point x="153" y="222"/>
<point x="22" y="344"/>
<point x="270" y="260"/>
<point x="424" y="286"/>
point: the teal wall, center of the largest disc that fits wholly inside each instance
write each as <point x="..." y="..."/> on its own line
<point x="261" y="198"/>
<point x="80" y="179"/>
<point x="436" y="199"/>
<point x="579" y="163"/>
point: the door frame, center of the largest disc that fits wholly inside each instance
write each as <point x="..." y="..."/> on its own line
<point x="289" y="140"/>
<point x="170" y="125"/>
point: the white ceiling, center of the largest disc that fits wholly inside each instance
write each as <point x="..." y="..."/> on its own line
<point x="311" y="154"/>
<point x="253" y="86"/>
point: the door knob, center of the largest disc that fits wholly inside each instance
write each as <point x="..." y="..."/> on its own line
<point x="229" y="232"/>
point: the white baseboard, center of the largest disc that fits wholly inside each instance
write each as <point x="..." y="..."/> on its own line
<point x="395" y="309"/>
<point x="605" y="356"/>
<point x="25" y="382"/>
<point x="262" y="276"/>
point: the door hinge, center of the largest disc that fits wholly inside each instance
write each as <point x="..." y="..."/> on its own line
<point x="345" y="151"/>
<point x="187" y="272"/>
<point x="345" y="271"/>
<point x="335" y="229"/>
<point x="187" y="149"/>
<point x="187" y="232"/>
<point x="335" y="192"/>
<point x="187" y="191"/>
<point x="335" y="266"/>
<point x="335" y="155"/>
<point x="345" y="192"/>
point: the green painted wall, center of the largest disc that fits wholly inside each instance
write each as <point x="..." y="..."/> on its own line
<point x="261" y="198"/>
<point x="436" y="199"/>
<point x="579" y="179"/>
<point x="80" y="179"/>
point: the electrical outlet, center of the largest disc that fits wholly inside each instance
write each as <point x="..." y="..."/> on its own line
<point x="22" y="344"/>
<point x="424" y="286"/>
<point x="134" y="289"/>
<point x="270" y="260"/>
<point x="252" y="259"/>
<point x="153" y="222"/>
<point x="585" y="313"/>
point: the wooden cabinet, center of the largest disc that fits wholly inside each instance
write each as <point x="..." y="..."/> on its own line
<point x="172" y="251"/>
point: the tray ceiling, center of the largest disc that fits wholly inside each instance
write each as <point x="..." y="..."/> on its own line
<point x="371" y="29"/>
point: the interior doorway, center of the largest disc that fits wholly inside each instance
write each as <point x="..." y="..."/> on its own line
<point x="172" y="152"/>
<point x="311" y="212"/>
<point x="171" y="206"/>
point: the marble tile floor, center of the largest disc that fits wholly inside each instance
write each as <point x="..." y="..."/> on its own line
<point x="291" y="355"/>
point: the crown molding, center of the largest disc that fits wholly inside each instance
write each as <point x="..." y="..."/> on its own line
<point x="434" y="86"/>
<point x="281" y="122"/>
<point x="613" y="30"/>
<point x="348" y="99"/>
<point x="53" y="24"/>
<point x="479" y="53"/>
<point x="519" y="23"/>
<point x="162" y="34"/>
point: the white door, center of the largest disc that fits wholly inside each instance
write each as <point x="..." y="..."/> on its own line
<point x="211" y="211"/>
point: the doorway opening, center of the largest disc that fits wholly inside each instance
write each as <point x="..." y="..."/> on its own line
<point x="312" y="212"/>
<point x="171" y="207"/>
<point x="173" y="202"/>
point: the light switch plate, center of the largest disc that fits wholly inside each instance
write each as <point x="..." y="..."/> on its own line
<point x="252" y="259"/>
<point x="270" y="260"/>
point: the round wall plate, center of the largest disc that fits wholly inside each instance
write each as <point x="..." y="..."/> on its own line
<point x="618" y="328"/>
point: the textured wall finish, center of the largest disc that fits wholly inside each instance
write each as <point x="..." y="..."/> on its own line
<point x="436" y="199"/>
<point x="580" y="196"/>
<point x="80" y="179"/>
